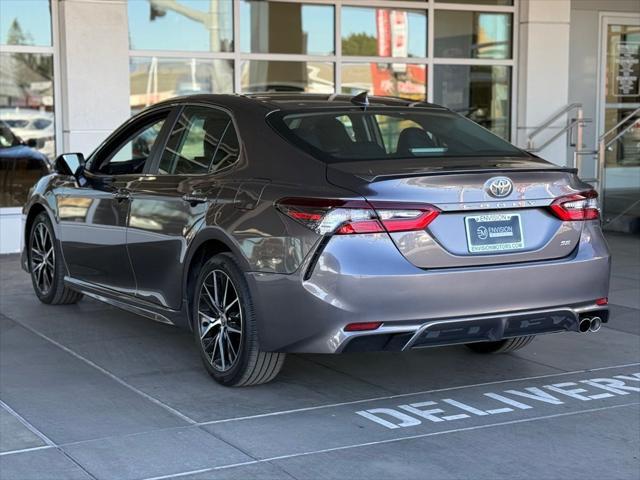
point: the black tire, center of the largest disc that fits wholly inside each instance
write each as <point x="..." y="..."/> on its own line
<point x="502" y="346"/>
<point x="216" y="334"/>
<point x="47" y="276"/>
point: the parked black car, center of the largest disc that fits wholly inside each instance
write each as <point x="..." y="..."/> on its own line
<point x="21" y="165"/>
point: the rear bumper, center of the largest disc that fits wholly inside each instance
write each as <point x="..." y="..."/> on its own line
<point x="364" y="278"/>
<point x="437" y="333"/>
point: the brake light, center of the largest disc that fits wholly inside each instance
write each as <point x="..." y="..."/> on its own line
<point x="348" y="217"/>
<point x="579" y="206"/>
<point x="602" y="301"/>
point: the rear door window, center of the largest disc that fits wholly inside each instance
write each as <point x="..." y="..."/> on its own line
<point x="202" y="141"/>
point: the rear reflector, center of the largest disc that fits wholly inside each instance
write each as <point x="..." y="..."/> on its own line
<point x="348" y="217"/>
<point x="602" y="301"/>
<point x="576" y="207"/>
<point x="361" y="327"/>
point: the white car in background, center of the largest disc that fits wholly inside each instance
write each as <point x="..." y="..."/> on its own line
<point x="32" y="126"/>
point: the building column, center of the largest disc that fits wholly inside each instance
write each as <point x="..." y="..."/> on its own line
<point x="543" y="72"/>
<point x="94" y="71"/>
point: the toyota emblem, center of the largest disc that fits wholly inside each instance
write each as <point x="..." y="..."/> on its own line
<point x="499" y="187"/>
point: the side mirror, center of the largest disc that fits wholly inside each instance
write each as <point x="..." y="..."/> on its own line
<point x="32" y="143"/>
<point x="72" y="164"/>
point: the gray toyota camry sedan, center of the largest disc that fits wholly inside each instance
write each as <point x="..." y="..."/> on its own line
<point x="279" y="223"/>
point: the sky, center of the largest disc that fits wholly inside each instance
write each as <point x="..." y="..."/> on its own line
<point x="34" y="18"/>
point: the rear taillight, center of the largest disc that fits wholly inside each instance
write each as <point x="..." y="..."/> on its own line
<point x="347" y="217"/>
<point x="579" y="206"/>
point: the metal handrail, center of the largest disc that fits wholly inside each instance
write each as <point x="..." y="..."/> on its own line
<point x="580" y="121"/>
<point x="621" y="122"/>
<point x="573" y="123"/>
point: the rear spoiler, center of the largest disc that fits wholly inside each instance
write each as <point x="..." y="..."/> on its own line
<point x="449" y="171"/>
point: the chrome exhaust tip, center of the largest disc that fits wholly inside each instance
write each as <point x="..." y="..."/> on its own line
<point x="596" y="323"/>
<point x="585" y="325"/>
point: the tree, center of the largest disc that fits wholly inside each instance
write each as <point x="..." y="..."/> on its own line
<point x="360" y="44"/>
<point x="33" y="67"/>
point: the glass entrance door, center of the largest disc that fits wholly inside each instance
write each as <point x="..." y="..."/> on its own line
<point x="620" y="96"/>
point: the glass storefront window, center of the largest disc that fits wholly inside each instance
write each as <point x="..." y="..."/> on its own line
<point x="480" y="92"/>
<point x="282" y="27"/>
<point x="502" y="3"/>
<point x="154" y="79"/>
<point x="621" y="175"/>
<point x="391" y="79"/>
<point x="25" y="22"/>
<point x="382" y="32"/>
<point x="188" y="25"/>
<point x="460" y="34"/>
<point x="27" y="134"/>
<point x="271" y="75"/>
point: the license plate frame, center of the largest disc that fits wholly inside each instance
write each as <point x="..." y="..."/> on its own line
<point x="494" y="233"/>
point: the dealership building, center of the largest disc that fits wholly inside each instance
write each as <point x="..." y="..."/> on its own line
<point x="557" y="77"/>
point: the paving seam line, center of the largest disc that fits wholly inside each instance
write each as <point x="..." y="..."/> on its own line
<point x="110" y="375"/>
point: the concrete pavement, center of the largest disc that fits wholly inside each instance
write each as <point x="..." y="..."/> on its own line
<point x="89" y="391"/>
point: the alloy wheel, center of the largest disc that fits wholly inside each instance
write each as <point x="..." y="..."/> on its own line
<point x="42" y="258"/>
<point x="220" y="320"/>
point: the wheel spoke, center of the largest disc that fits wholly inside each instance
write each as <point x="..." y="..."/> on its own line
<point x="210" y="326"/>
<point x="215" y="348"/>
<point x="233" y="330"/>
<point x="210" y="300"/>
<point x="222" y="355"/>
<point x="45" y="280"/>
<point x="231" y="349"/>
<point x="41" y="235"/>
<point x="226" y="287"/>
<point x="226" y="309"/>
<point x="215" y="289"/>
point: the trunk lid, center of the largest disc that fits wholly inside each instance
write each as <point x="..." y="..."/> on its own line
<point x="474" y="227"/>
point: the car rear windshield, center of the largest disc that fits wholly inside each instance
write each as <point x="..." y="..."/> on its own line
<point x="383" y="133"/>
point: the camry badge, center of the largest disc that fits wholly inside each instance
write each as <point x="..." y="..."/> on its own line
<point x="498" y="187"/>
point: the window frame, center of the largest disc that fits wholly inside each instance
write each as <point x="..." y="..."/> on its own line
<point x="154" y="167"/>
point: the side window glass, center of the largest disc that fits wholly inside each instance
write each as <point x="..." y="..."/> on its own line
<point x="203" y="140"/>
<point x="228" y="150"/>
<point x="345" y="120"/>
<point x="131" y="157"/>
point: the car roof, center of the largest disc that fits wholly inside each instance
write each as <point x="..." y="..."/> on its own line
<point x="296" y="101"/>
<point x="287" y="101"/>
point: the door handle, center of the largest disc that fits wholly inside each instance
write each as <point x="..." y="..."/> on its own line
<point x="121" y="195"/>
<point x="194" y="198"/>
